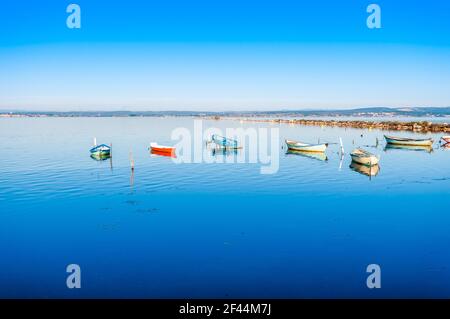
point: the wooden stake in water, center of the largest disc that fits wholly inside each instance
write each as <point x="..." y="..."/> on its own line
<point x="131" y="160"/>
<point x="95" y="141"/>
<point x="110" y="156"/>
<point x="342" y="146"/>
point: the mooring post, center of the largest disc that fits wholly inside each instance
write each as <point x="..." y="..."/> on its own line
<point x="131" y="160"/>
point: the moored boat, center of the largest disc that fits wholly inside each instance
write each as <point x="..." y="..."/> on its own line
<point x="101" y="150"/>
<point x="224" y="142"/>
<point x="157" y="149"/>
<point x="408" y="141"/>
<point x="305" y="147"/>
<point x="446" y="139"/>
<point x="364" y="157"/>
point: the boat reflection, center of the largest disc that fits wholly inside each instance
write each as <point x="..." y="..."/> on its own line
<point x="224" y="151"/>
<point x="428" y="149"/>
<point x="446" y="146"/>
<point x="100" y="156"/>
<point x="365" y="170"/>
<point x="321" y="156"/>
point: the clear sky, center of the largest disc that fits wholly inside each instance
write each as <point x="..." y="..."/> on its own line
<point x="223" y="55"/>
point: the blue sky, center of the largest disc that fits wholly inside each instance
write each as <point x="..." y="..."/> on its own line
<point x="223" y="55"/>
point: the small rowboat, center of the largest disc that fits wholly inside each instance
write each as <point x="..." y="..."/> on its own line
<point x="408" y="141"/>
<point x="446" y="139"/>
<point x="101" y="150"/>
<point x="162" y="150"/>
<point x="224" y="142"/>
<point x="305" y="147"/>
<point x="363" y="157"/>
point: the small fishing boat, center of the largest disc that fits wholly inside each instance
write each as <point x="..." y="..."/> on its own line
<point x="224" y="142"/>
<point x="101" y="150"/>
<point x="363" y="157"/>
<point x="305" y="147"/>
<point x="157" y="149"/>
<point x="408" y="141"/>
<point x="446" y="139"/>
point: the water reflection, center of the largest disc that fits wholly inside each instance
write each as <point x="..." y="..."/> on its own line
<point x="100" y="156"/>
<point x="224" y="151"/>
<point x="428" y="149"/>
<point x="365" y="170"/>
<point x="321" y="156"/>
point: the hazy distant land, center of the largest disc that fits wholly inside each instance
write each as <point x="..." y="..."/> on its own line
<point x="394" y="119"/>
<point x="358" y="112"/>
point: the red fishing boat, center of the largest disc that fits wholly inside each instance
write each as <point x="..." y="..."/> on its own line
<point x="446" y="139"/>
<point x="162" y="150"/>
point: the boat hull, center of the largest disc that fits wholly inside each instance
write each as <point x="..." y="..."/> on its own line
<point x="162" y="153"/>
<point x="365" y="160"/>
<point x="162" y="150"/>
<point x="408" y="142"/>
<point x="303" y="147"/>
<point x="363" y="157"/>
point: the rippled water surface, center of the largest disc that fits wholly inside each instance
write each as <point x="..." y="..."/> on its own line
<point x="216" y="229"/>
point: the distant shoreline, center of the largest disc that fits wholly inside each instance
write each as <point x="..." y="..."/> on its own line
<point x="380" y="118"/>
<point x="370" y="112"/>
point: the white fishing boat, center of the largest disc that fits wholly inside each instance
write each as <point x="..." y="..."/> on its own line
<point x="363" y="157"/>
<point x="305" y="147"/>
<point x="409" y="141"/>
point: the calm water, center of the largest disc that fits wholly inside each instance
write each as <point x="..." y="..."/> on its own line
<point x="215" y="230"/>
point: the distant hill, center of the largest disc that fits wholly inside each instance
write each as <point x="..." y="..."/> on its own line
<point x="366" y="112"/>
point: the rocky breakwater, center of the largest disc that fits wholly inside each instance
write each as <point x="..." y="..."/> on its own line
<point x="424" y="126"/>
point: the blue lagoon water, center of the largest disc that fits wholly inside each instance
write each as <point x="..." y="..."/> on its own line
<point x="216" y="230"/>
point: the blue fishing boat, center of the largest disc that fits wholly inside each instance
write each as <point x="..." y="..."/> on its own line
<point x="101" y="150"/>
<point x="224" y="142"/>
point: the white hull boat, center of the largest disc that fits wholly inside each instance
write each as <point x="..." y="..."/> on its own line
<point x="408" y="141"/>
<point x="305" y="147"/>
<point x="363" y="157"/>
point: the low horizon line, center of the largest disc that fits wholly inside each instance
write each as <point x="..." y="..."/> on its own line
<point x="225" y="111"/>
